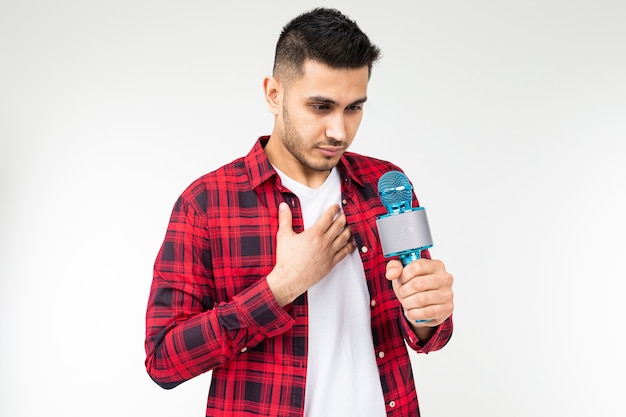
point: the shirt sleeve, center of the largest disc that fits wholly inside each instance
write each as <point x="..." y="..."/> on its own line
<point x="439" y="339"/>
<point x="187" y="332"/>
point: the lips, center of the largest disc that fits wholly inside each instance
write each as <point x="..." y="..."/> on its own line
<point x="331" y="151"/>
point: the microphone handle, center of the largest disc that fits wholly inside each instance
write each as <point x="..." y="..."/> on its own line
<point x="406" y="258"/>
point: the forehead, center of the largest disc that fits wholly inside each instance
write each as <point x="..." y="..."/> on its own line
<point x="320" y="80"/>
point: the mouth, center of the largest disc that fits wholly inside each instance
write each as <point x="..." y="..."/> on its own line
<point x="331" y="151"/>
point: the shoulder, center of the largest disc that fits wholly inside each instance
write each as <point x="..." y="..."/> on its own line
<point x="367" y="167"/>
<point x="210" y="188"/>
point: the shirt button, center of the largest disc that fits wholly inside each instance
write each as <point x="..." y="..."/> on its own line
<point x="373" y="303"/>
<point x="392" y="404"/>
<point x="381" y="354"/>
<point x="244" y="350"/>
<point x="344" y="202"/>
<point x="364" y="249"/>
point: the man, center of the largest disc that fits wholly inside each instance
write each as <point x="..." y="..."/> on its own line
<point x="271" y="273"/>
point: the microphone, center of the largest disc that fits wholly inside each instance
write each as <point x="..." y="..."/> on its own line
<point x="404" y="230"/>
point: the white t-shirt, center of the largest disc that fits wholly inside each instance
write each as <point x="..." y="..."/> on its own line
<point x="342" y="375"/>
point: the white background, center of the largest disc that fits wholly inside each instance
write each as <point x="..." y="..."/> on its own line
<point x="508" y="116"/>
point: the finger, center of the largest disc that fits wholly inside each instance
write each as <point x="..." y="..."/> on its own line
<point x="284" y="217"/>
<point x="343" y="237"/>
<point x="429" y="315"/>
<point x="326" y="220"/>
<point x="416" y="284"/>
<point x="344" y="250"/>
<point x="427" y="298"/>
<point x="422" y="316"/>
<point x="339" y="231"/>
<point x="422" y="268"/>
<point x="425" y="266"/>
<point x="414" y="270"/>
<point x="441" y="281"/>
<point x="394" y="270"/>
<point x="337" y="220"/>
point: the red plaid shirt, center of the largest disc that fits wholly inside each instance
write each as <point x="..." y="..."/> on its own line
<point x="210" y="308"/>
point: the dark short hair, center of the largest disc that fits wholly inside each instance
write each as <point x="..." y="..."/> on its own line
<point x="326" y="36"/>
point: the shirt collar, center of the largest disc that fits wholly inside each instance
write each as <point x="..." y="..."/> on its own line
<point x="257" y="164"/>
<point x="260" y="169"/>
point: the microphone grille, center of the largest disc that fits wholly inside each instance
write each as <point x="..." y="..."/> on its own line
<point x="394" y="189"/>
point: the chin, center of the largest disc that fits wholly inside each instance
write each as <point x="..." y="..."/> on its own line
<point x="324" y="166"/>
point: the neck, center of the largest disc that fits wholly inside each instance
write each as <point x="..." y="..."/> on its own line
<point x="312" y="179"/>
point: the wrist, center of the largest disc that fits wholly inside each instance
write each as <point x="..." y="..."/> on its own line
<point x="423" y="333"/>
<point x="278" y="284"/>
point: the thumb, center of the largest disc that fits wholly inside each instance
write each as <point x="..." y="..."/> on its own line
<point x="393" y="270"/>
<point x="284" y="217"/>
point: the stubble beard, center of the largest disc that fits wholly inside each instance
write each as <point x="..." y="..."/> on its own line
<point x="294" y="144"/>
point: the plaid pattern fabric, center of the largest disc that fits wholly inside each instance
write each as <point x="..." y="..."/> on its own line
<point x="210" y="308"/>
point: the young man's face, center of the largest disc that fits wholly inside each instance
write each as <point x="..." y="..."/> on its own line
<point x="317" y="118"/>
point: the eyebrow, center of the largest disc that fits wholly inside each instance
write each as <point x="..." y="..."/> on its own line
<point x="326" y="100"/>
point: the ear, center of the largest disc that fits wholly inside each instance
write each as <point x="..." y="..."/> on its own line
<point x="273" y="94"/>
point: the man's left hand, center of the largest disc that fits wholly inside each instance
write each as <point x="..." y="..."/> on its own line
<point x="424" y="289"/>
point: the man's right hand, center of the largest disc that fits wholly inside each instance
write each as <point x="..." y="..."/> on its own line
<point x="303" y="259"/>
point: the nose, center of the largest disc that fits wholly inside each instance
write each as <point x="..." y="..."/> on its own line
<point x="336" y="127"/>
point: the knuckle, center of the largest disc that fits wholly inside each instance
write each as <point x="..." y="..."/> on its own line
<point x="415" y="267"/>
<point x="415" y="285"/>
<point x="423" y="299"/>
<point x="430" y="311"/>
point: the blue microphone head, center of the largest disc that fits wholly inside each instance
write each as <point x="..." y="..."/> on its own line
<point x="394" y="190"/>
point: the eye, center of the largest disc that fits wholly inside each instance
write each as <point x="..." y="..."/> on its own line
<point x="320" y="107"/>
<point x="355" y="107"/>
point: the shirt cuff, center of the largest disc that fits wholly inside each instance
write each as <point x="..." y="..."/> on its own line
<point x="256" y="308"/>
<point x="442" y="334"/>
